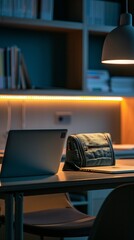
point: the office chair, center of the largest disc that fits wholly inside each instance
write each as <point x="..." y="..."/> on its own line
<point x="115" y="219"/>
<point x="59" y="218"/>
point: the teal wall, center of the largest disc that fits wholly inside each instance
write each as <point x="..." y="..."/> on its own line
<point x="44" y="53"/>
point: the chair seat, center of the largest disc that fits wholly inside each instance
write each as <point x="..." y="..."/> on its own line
<point x="61" y="222"/>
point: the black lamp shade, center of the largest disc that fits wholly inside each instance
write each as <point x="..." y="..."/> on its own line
<point x="118" y="46"/>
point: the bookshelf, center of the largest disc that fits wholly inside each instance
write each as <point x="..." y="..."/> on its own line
<point x="59" y="51"/>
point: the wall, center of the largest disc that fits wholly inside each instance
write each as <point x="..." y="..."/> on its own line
<point x="86" y="116"/>
<point x="127" y="119"/>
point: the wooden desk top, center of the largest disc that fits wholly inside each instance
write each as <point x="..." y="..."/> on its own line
<point x="64" y="182"/>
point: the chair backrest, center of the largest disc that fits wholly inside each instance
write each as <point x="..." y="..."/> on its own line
<point x="115" y="220"/>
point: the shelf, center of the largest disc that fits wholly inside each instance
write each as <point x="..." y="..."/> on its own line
<point x="58" y="53"/>
<point x="62" y="92"/>
<point x="98" y="29"/>
<point x="40" y="24"/>
<point x="32" y="92"/>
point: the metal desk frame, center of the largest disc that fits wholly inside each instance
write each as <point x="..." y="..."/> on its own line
<point x="14" y="190"/>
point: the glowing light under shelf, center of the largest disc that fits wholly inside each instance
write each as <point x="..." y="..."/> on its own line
<point x="57" y="98"/>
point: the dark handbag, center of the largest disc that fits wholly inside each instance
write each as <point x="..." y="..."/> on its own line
<point x="88" y="149"/>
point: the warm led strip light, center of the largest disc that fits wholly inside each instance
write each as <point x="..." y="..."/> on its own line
<point x="64" y="98"/>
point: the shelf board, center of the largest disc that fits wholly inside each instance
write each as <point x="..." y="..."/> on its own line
<point x="40" y="24"/>
<point x="55" y="24"/>
<point x="63" y="92"/>
<point x="43" y="92"/>
<point x="97" y="29"/>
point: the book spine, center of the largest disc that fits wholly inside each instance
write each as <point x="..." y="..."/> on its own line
<point x="31" y="8"/>
<point x="47" y="8"/>
<point x="90" y="12"/>
<point x="19" y="8"/>
<point x="24" y="73"/>
<point x="2" y="72"/>
<point x="6" y="8"/>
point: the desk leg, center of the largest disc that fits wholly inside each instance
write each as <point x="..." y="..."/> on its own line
<point x="9" y="218"/>
<point x="18" y="216"/>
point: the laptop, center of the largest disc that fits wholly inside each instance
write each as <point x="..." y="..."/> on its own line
<point x="33" y="152"/>
<point x="117" y="168"/>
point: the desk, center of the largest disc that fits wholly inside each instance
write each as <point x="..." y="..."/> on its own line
<point x="15" y="189"/>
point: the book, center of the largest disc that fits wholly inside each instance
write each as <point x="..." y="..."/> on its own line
<point x="14" y="66"/>
<point x="95" y="12"/>
<point x="24" y="76"/>
<point x="15" y="69"/>
<point x="6" y="8"/>
<point x="25" y="8"/>
<point x="46" y="9"/>
<point x="103" y="12"/>
<point x="31" y="8"/>
<point x="2" y="71"/>
<point x="122" y="84"/>
<point x="97" y="80"/>
<point x="19" y="8"/>
<point x="124" y="150"/>
<point x="112" y="13"/>
<point x="8" y="67"/>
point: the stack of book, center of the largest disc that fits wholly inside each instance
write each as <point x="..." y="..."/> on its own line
<point x="31" y="9"/>
<point x="123" y="150"/>
<point x="121" y="84"/>
<point x="19" y="8"/>
<point x="13" y="70"/>
<point x="97" y="80"/>
<point x="103" y="12"/>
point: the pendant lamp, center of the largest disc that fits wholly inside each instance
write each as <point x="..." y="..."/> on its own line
<point x="118" y="46"/>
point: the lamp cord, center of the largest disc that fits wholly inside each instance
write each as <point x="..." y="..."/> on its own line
<point x="126" y="6"/>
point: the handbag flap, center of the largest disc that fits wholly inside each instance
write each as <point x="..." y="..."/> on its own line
<point x="89" y="149"/>
<point x="98" y="149"/>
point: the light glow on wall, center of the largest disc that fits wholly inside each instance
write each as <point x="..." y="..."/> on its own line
<point x="60" y="98"/>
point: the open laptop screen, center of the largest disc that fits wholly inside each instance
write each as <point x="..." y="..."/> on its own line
<point x="33" y="152"/>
